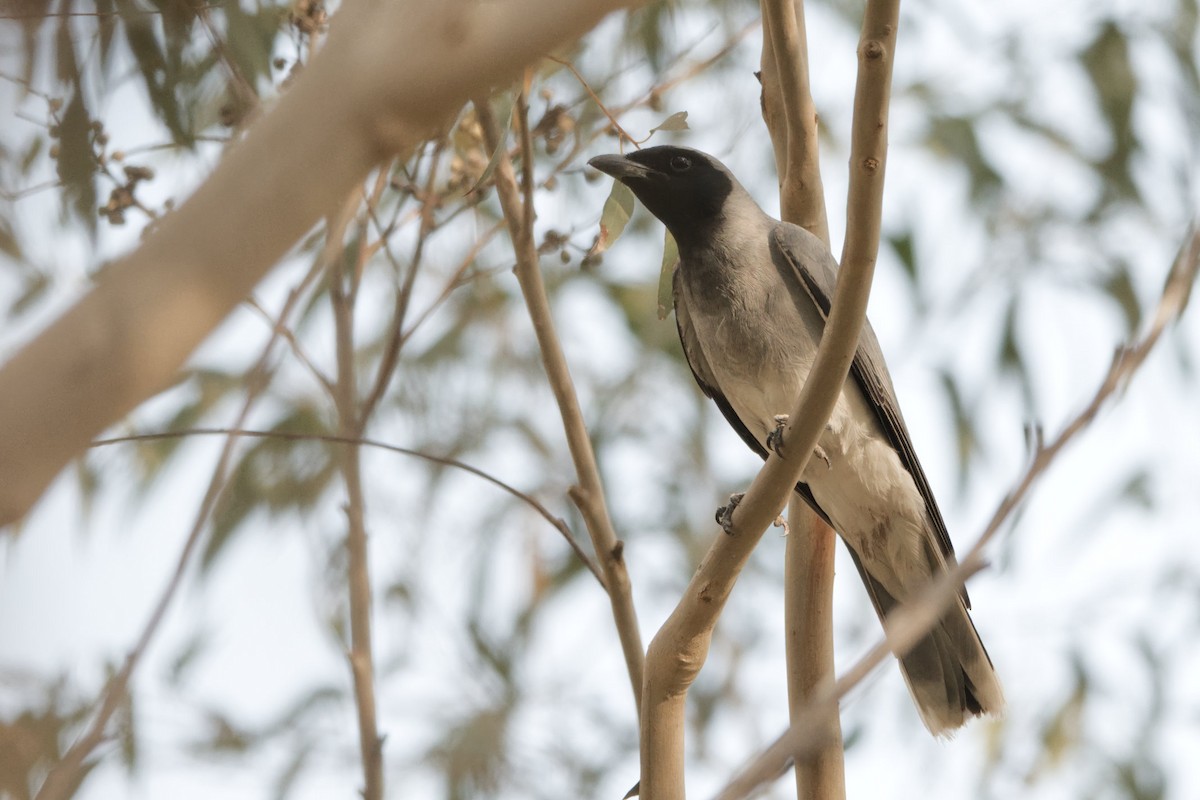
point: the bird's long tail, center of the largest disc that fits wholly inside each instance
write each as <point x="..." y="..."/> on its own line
<point x="949" y="673"/>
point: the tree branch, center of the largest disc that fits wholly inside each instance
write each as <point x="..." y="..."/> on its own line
<point x="387" y="73"/>
<point x="589" y="494"/>
<point x="679" y="648"/>
<point x="791" y="118"/>
<point x="343" y="292"/>
<point x="912" y="621"/>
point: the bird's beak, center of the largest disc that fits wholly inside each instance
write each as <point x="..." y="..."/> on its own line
<point x="621" y="167"/>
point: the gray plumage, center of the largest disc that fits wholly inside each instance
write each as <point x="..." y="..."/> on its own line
<point x="751" y="297"/>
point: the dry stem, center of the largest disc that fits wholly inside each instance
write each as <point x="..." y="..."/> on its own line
<point x="589" y="494"/>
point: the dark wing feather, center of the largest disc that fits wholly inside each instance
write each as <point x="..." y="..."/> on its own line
<point x="813" y="265"/>
<point x="707" y="381"/>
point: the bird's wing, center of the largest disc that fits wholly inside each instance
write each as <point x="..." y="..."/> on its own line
<point x="707" y="381"/>
<point x="701" y="371"/>
<point x="802" y="256"/>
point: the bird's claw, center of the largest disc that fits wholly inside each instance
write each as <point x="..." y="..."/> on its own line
<point x="725" y="513"/>
<point x="820" y="453"/>
<point x="775" y="437"/>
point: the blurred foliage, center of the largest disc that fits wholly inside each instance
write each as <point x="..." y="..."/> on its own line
<point x="443" y="332"/>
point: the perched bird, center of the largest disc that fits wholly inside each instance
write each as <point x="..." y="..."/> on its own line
<point x="751" y="297"/>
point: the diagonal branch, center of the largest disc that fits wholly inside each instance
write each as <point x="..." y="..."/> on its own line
<point x="589" y="494"/>
<point x="386" y="75"/>
<point x="679" y="648"/>
<point x="911" y="622"/>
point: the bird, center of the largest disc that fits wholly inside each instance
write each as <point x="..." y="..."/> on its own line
<point x="751" y="296"/>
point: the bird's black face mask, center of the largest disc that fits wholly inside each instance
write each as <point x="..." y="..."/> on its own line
<point x="682" y="187"/>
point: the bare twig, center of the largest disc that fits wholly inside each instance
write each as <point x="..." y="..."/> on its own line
<point x="66" y="775"/>
<point x="396" y="338"/>
<point x="592" y="94"/>
<point x="589" y="494"/>
<point x="559" y="524"/>
<point x="912" y="621"/>
<point x="342" y="293"/>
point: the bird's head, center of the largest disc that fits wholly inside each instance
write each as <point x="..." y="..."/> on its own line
<point x="684" y="188"/>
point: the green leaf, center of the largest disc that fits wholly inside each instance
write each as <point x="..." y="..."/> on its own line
<point x="956" y="138"/>
<point x="618" y="208"/>
<point x="275" y="476"/>
<point x="675" y="122"/>
<point x="76" y="162"/>
<point x="1119" y="287"/>
<point x="1107" y="63"/>
<point x="494" y="161"/>
<point x="670" y="258"/>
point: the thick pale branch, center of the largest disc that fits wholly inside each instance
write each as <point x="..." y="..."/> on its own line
<point x="388" y="72"/>
<point x="589" y="495"/>
<point x="808" y="619"/>
<point x="679" y="648"/>
<point x="791" y="116"/>
<point x="911" y="622"/>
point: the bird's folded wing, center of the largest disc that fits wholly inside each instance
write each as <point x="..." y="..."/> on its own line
<point x="801" y="256"/>
<point x="707" y="381"/>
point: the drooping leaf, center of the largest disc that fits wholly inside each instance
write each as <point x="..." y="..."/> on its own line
<point x="508" y="103"/>
<point x="1107" y="64"/>
<point x="670" y="258"/>
<point x="902" y="246"/>
<point x="955" y="137"/>
<point x="76" y="161"/>
<point x="1119" y="287"/>
<point x="966" y="437"/>
<point x="274" y="476"/>
<point x="675" y="122"/>
<point x="618" y="208"/>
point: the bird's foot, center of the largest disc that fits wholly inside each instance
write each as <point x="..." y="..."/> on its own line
<point x="819" y="452"/>
<point x="725" y="513"/>
<point x="775" y="437"/>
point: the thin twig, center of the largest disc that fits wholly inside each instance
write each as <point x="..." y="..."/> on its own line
<point x="288" y="436"/>
<point x="912" y="621"/>
<point x="595" y="98"/>
<point x="290" y="337"/>
<point x="396" y="339"/>
<point x="343" y="292"/>
<point x="589" y="495"/>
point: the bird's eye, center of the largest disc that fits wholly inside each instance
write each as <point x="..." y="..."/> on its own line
<point x="681" y="163"/>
